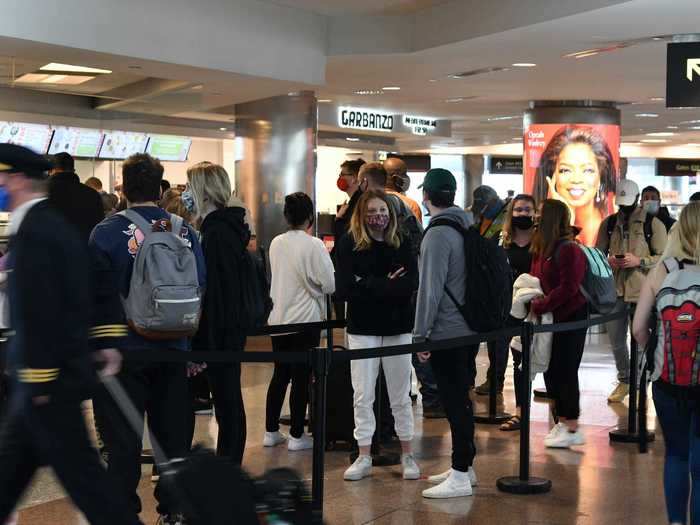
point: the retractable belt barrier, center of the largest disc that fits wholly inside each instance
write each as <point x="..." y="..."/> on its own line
<point x="321" y="358"/>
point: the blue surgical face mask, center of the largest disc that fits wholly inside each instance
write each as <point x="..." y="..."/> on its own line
<point x="426" y="210"/>
<point x="188" y="201"/>
<point x="4" y="199"/>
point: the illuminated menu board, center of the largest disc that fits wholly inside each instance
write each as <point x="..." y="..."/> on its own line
<point x="33" y="136"/>
<point x="122" y="144"/>
<point x="169" y="147"/>
<point x="79" y="142"/>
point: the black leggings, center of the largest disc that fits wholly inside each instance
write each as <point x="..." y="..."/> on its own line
<point x="561" y="377"/>
<point x="225" y="382"/>
<point x="299" y="374"/>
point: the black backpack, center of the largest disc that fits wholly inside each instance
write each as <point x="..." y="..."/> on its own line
<point x="410" y="228"/>
<point x="255" y="290"/>
<point x="488" y="288"/>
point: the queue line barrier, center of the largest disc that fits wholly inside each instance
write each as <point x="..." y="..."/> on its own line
<point x="320" y="360"/>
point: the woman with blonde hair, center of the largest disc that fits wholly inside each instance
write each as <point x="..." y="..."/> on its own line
<point x="672" y="291"/>
<point x="377" y="274"/>
<point x="224" y="237"/>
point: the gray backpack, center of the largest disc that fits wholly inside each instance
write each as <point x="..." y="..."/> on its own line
<point x="164" y="300"/>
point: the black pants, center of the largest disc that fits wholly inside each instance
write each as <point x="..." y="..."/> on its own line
<point x="299" y="375"/>
<point x="498" y="361"/>
<point x="561" y="377"/>
<point x="55" y="435"/>
<point x="453" y="370"/>
<point x="159" y="391"/>
<point x="517" y="376"/>
<point x="225" y="382"/>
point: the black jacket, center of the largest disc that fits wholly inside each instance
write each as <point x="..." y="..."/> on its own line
<point x="50" y="306"/>
<point x="377" y="305"/>
<point x="80" y="205"/>
<point x="225" y="237"/>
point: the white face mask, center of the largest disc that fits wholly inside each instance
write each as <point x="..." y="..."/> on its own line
<point x="651" y="207"/>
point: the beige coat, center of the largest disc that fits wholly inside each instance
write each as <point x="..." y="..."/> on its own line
<point x="629" y="280"/>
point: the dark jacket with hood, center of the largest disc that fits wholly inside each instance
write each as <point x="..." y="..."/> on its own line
<point x="225" y="238"/>
<point x="80" y="205"/>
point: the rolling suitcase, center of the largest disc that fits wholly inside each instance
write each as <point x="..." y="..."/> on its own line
<point x="340" y="420"/>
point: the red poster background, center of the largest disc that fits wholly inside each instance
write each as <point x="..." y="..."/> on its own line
<point x="535" y="141"/>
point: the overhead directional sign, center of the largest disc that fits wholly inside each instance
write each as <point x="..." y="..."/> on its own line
<point x="506" y="165"/>
<point x="683" y="75"/>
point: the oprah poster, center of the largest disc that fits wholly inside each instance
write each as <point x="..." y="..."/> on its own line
<point x="578" y="164"/>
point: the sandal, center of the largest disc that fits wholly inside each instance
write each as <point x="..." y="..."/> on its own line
<point x="512" y="424"/>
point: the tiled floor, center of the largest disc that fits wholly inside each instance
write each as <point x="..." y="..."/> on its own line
<point x="597" y="484"/>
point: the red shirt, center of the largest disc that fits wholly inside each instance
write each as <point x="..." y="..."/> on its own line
<point x="560" y="282"/>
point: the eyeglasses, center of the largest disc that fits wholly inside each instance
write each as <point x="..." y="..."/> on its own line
<point x="523" y="210"/>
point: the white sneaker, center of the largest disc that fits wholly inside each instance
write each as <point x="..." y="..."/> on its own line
<point x="556" y="429"/>
<point x="305" y="442"/>
<point x="564" y="439"/>
<point x="439" y="478"/>
<point x="411" y="470"/>
<point x="456" y="485"/>
<point x="359" y="470"/>
<point x="272" y="439"/>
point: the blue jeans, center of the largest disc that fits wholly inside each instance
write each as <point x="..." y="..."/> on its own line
<point x="679" y="423"/>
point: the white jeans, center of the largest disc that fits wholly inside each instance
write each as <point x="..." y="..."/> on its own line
<point x="397" y="370"/>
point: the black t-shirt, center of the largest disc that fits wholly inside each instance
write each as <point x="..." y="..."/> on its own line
<point x="519" y="258"/>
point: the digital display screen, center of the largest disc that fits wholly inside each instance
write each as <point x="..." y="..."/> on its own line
<point x="122" y="144"/>
<point x="33" y="136"/>
<point x="169" y="147"/>
<point x="79" y="142"/>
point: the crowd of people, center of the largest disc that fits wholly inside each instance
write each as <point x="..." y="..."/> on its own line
<point x="393" y="282"/>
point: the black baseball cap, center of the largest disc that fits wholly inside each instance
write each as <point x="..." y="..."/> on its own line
<point x="18" y="159"/>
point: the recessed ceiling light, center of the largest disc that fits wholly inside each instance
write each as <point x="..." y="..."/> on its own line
<point x="352" y="139"/>
<point x="391" y="88"/>
<point x="454" y="100"/>
<point x="68" y="68"/>
<point x="222" y="129"/>
<point x="657" y="99"/>
<point x="369" y="92"/>
<point x="671" y="127"/>
<point x="694" y="127"/>
<point x="690" y="122"/>
<point x="324" y="100"/>
<point x="40" y="78"/>
<point x="198" y="87"/>
<point x="646" y="115"/>
<point x="654" y="141"/>
<point x="433" y="80"/>
<point x="523" y="64"/>
<point x="661" y="134"/>
<point x="507" y="117"/>
<point x="517" y="138"/>
<point x="693" y="144"/>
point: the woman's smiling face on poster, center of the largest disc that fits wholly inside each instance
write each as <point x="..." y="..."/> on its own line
<point x="577" y="176"/>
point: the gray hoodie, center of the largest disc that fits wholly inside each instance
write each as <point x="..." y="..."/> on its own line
<point x="442" y="263"/>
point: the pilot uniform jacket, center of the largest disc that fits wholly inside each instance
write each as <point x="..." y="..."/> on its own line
<point x="50" y="304"/>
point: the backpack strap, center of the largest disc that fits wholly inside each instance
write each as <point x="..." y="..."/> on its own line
<point x="610" y="227"/>
<point x="141" y="223"/>
<point x="648" y="231"/>
<point x="176" y="223"/>
<point x="673" y="265"/>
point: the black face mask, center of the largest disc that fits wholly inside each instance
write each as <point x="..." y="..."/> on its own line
<point x="628" y="210"/>
<point x="522" y="222"/>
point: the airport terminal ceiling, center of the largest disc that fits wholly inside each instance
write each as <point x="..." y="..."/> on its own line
<point x="480" y="83"/>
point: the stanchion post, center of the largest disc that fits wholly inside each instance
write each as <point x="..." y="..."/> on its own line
<point x="523" y="483"/>
<point x="321" y="364"/>
<point x="493" y="417"/>
<point x="630" y="434"/>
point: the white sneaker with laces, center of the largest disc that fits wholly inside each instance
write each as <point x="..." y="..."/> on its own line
<point x="456" y="485"/>
<point x="411" y="470"/>
<point x="556" y="429"/>
<point x="359" y="470"/>
<point x="305" y="442"/>
<point x="439" y="478"/>
<point x="272" y="439"/>
<point x="565" y="439"/>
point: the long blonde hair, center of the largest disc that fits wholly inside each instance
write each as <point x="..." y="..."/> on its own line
<point x="358" y="228"/>
<point x="684" y="237"/>
<point x="507" y="235"/>
<point x="209" y="183"/>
